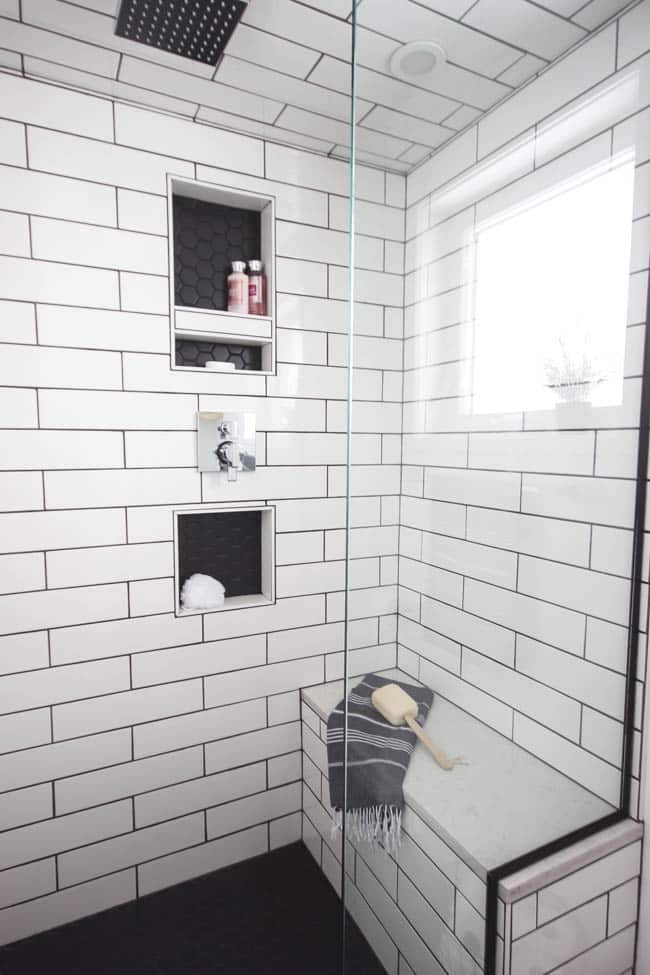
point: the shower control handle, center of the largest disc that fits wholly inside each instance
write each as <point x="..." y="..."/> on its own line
<point x="226" y="442"/>
<point x="225" y="452"/>
<point x="229" y="457"/>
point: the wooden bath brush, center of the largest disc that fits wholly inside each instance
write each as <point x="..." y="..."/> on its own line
<point x="395" y="705"/>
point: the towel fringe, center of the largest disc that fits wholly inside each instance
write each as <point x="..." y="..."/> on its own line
<point x="376" y="825"/>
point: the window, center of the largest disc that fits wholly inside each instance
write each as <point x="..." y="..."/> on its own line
<point x="550" y="296"/>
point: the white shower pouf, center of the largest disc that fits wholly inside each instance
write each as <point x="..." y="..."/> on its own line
<point x="202" y="592"/>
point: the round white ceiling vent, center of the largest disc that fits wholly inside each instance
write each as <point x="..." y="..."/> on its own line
<point x="416" y="61"/>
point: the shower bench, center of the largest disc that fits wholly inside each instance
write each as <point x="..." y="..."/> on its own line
<point x="424" y="910"/>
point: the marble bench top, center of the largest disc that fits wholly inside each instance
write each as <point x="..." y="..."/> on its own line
<point x="504" y="803"/>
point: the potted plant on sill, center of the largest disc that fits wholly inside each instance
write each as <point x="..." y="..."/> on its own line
<point x="572" y="375"/>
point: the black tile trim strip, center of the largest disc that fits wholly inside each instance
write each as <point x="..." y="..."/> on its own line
<point x="634" y="629"/>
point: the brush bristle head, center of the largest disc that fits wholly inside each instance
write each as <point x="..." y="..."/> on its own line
<point x="394" y="704"/>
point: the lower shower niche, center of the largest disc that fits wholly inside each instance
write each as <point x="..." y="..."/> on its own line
<point x="235" y="546"/>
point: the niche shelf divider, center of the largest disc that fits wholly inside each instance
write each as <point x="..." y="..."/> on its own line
<point x="192" y="320"/>
<point x="234" y="543"/>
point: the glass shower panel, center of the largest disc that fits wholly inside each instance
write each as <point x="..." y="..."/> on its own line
<point x="518" y="225"/>
<point x="359" y="519"/>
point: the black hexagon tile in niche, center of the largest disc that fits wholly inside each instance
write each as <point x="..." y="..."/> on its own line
<point x="192" y="353"/>
<point x="227" y="546"/>
<point x="208" y="237"/>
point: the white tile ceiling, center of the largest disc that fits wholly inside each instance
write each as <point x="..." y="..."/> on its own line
<point x="286" y="73"/>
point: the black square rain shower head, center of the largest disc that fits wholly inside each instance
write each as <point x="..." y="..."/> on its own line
<point x="197" y="29"/>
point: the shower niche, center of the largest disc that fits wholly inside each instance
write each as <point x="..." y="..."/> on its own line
<point x="211" y="226"/>
<point x="233" y="544"/>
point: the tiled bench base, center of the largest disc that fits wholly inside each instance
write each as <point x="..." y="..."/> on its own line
<point x="418" y="912"/>
<point x="423" y="911"/>
<point x="576" y="913"/>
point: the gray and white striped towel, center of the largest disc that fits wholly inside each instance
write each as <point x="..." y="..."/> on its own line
<point x="378" y="755"/>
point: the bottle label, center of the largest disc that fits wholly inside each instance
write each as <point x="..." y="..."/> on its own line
<point x="237" y="296"/>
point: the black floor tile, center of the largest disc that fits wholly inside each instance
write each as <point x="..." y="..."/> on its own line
<point x="275" y="913"/>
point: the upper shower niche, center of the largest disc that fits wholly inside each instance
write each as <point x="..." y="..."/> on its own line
<point x="209" y="228"/>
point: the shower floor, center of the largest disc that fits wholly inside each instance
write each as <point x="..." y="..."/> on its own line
<point x="274" y="914"/>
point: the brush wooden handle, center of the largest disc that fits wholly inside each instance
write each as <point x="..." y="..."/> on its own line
<point x="441" y="758"/>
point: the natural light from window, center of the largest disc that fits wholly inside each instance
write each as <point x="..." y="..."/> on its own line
<point x="550" y="296"/>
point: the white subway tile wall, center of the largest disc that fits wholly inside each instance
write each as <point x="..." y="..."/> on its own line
<point x="515" y="542"/>
<point x="139" y="749"/>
